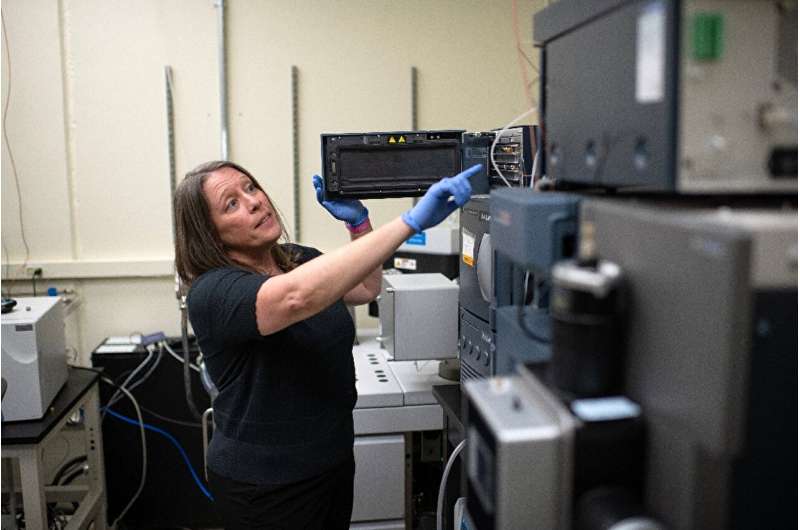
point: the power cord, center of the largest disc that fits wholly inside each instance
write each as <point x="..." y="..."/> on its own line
<point x="115" y="397"/>
<point x="522" y="55"/>
<point x="144" y="438"/>
<point x="177" y="357"/>
<point x="8" y="144"/>
<point x="537" y="141"/>
<point x="171" y="420"/>
<point x="146" y="376"/>
<point x="443" y="484"/>
<point x="174" y="442"/>
<point x="497" y="136"/>
<point x="67" y="468"/>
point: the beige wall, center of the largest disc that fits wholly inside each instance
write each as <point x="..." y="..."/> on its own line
<point x="86" y="121"/>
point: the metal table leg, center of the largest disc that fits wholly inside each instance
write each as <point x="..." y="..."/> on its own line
<point x="33" y="483"/>
<point x="94" y="452"/>
<point x="34" y="489"/>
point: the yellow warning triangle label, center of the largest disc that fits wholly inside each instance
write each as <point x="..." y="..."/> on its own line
<point x="392" y="140"/>
<point x="402" y="140"/>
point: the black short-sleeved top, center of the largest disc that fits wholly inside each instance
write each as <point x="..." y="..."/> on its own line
<point x="284" y="409"/>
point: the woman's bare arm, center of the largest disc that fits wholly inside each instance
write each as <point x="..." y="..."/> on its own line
<point x="370" y="287"/>
<point x="296" y="295"/>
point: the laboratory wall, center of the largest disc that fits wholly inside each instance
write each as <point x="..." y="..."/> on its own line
<point x="85" y="158"/>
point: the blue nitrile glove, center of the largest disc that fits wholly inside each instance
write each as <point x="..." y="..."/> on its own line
<point x="441" y="200"/>
<point x="351" y="211"/>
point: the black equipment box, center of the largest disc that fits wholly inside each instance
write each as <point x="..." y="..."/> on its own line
<point x="416" y="262"/>
<point x="170" y="498"/>
<point x="388" y="164"/>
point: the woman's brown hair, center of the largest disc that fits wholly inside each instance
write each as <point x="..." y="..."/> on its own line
<point x="198" y="247"/>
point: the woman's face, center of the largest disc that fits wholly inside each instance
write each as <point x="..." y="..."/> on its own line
<point x="242" y="214"/>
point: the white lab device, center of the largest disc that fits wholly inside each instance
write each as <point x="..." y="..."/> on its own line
<point x="34" y="357"/>
<point x="419" y="316"/>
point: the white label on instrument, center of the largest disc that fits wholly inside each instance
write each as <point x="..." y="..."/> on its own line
<point x="406" y="264"/>
<point x="468" y="247"/>
<point x="651" y="53"/>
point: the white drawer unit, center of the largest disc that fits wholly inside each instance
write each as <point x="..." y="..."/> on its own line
<point x="380" y="478"/>
<point x="394" y="399"/>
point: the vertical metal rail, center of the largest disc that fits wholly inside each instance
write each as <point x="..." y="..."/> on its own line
<point x="296" y="152"/>
<point x="180" y="291"/>
<point x="414" y="114"/>
<point x="414" y="99"/>
<point x="8" y="473"/>
<point x="65" y="27"/>
<point x="169" y="89"/>
<point x="170" y="143"/>
<point x="223" y="80"/>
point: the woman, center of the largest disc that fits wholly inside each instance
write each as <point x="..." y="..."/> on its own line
<point x="277" y="340"/>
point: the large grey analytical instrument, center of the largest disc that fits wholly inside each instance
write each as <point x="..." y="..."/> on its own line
<point x="476" y="296"/>
<point x="34" y="357"/>
<point x="532" y="231"/>
<point x="693" y="96"/>
<point x="520" y="444"/>
<point x="712" y="355"/>
<point x="419" y="316"/>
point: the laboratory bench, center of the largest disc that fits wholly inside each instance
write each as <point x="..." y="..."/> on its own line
<point x="25" y="440"/>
